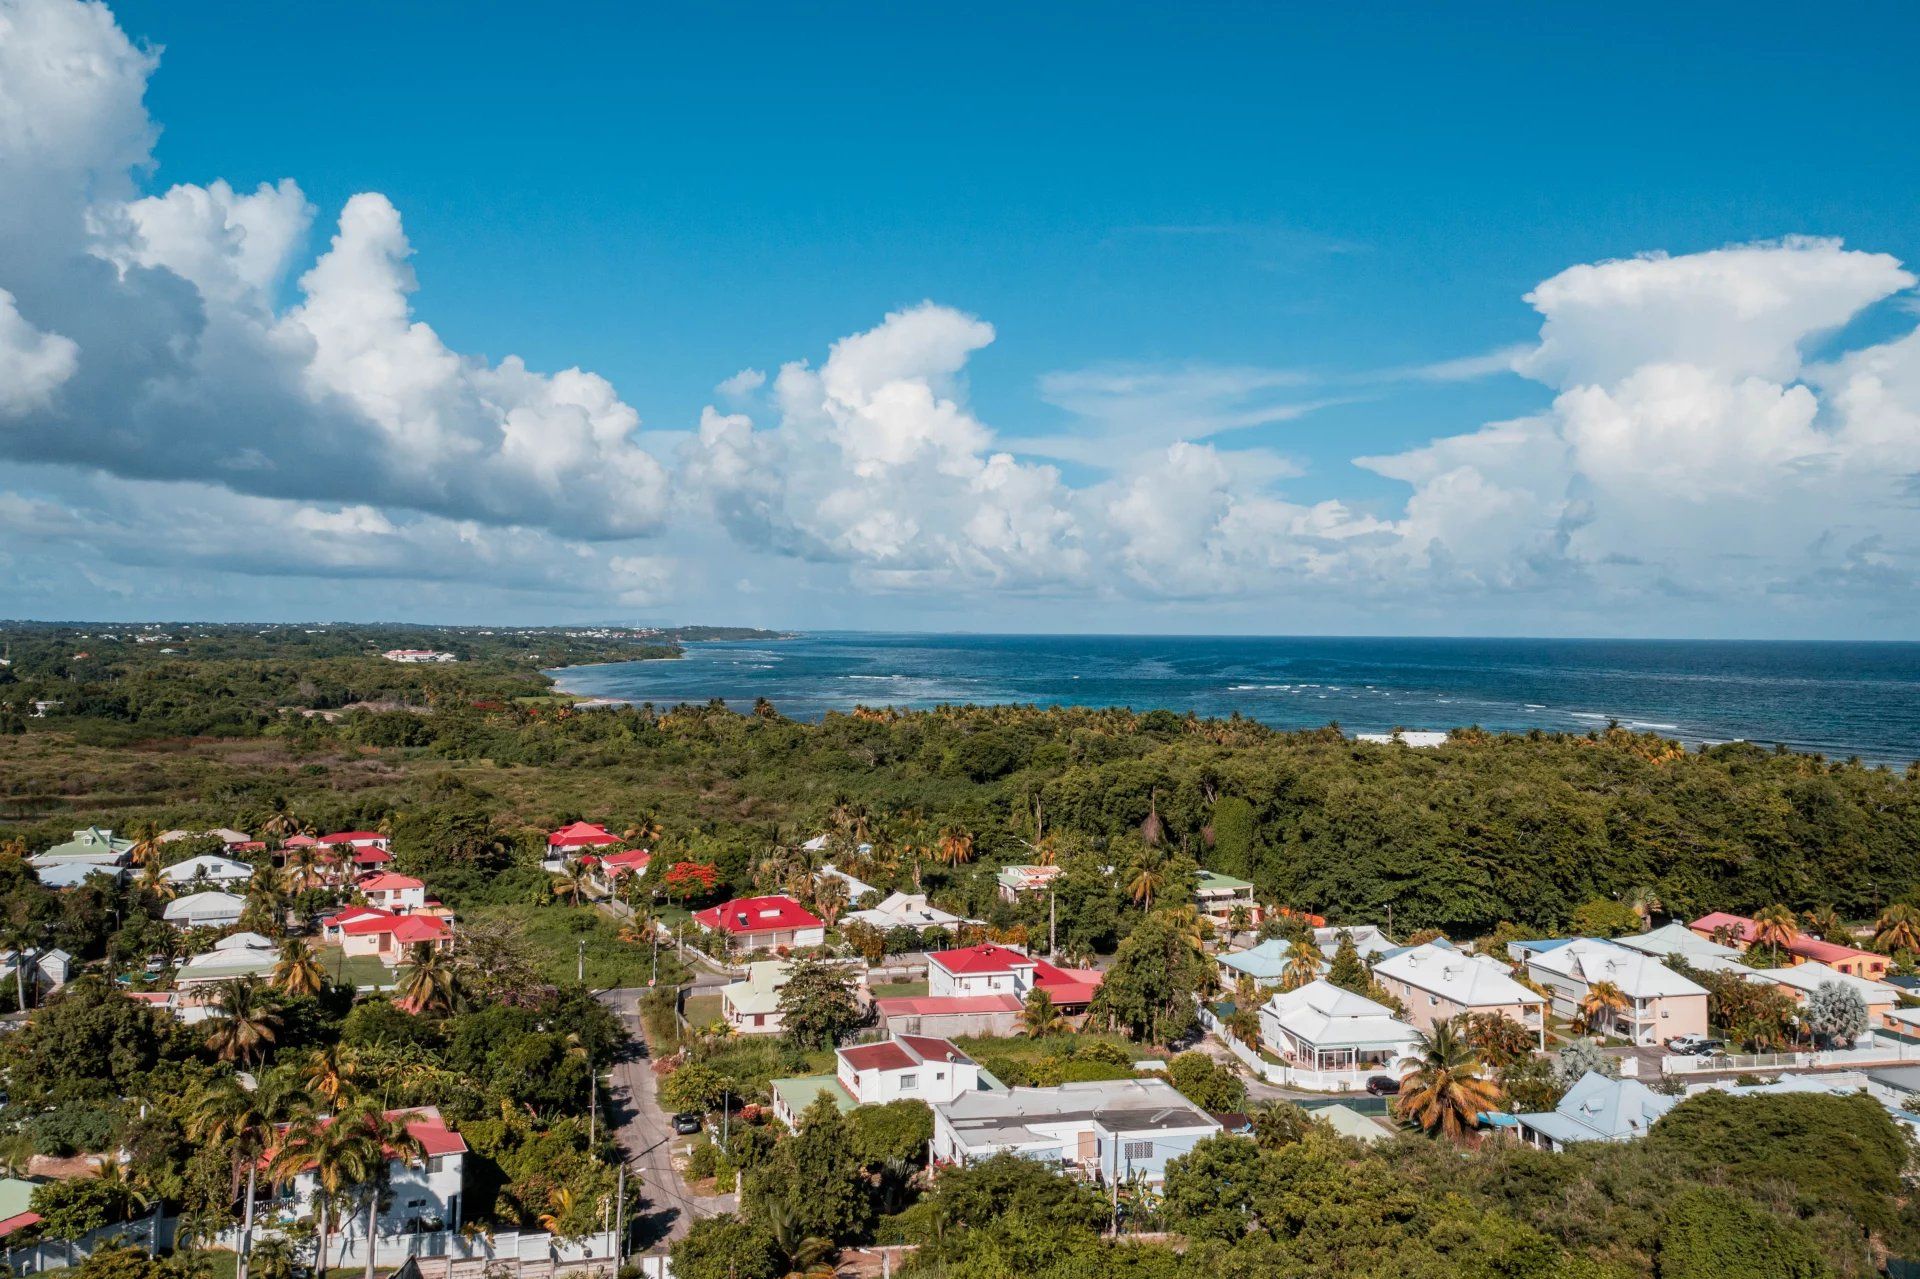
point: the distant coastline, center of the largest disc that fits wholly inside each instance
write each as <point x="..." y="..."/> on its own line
<point x="1833" y="698"/>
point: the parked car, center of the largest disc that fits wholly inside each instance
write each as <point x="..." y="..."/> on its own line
<point x="1383" y="1086"/>
<point x="688" y="1122"/>
<point x="1694" y="1046"/>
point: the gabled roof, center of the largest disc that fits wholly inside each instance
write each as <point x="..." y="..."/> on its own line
<point x="371" y="857"/>
<point x="981" y="960"/>
<point x="195" y="905"/>
<point x="581" y="835"/>
<point x="1601" y="1109"/>
<point x="419" y="928"/>
<point x="352" y="837"/>
<point x="212" y="866"/>
<point x="747" y="915"/>
<point x="1639" y="976"/>
<point x="1812" y="975"/>
<point x="389" y="883"/>
<point x="1676" y="939"/>
<point x="630" y="859"/>
<point x="903" y="1052"/>
<point x="1468" y="980"/>
<point x="1327" y="1016"/>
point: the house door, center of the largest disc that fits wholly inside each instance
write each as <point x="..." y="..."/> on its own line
<point x="1089" y="1149"/>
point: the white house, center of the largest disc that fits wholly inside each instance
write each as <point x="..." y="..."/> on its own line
<point x="1596" y="1108"/>
<point x="395" y="892"/>
<point x="1801" y="980"/>
<point x="909" y="1067"/>
<point x="426" y="1190"/>
<point x="1334" y="1039"/>
<point x="905" y="910"/>
<point x="1677" y="941"/>
<point x="1016" y="881"/>
<point x="205" y="910"/>
<point x="990" y="969"/>
<point x="1435" y="983"/>
<point x="211" y="868"/>
<point x="1661" y="1004"/>
<point x="1368" y="940"/>
<point x="46" y="972"/>
<point x="752" y="1006"/>
<point x="1113" y="1131"/>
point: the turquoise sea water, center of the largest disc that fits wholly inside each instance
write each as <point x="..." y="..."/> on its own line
<point x="1839" y="699"/>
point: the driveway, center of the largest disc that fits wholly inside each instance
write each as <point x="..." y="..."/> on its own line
<point x="646" y="1133"/>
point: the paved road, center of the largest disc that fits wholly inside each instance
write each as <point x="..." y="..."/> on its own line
<point x="646" y="1133"/>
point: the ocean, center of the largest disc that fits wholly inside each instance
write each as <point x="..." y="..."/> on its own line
<point x="1838" y="699"/>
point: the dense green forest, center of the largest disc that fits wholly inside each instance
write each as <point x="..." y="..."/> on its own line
<point x="1488" y="828"/>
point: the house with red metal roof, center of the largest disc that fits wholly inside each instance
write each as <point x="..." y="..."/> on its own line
<point x="632" y="861"/>
<point x="1739" y="930"/>
<point x="991" y="969"/>
<point x="577" y="836"/>
<point x="763" y="923"/>
<point x="422" y="1193"/>
<point x="368" y="930"/>
<point x="357" y="839"/>
<point x="387" y="890"/>
<point x="898" y="1068"/>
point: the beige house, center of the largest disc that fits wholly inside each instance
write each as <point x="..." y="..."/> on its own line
<point x="1436" y="983"/>
<point x="1660" y="1003"/>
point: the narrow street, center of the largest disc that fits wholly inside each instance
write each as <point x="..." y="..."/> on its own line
<point x="646" y="1133"/>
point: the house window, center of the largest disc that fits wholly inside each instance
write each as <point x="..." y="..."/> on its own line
<point x="909" y="1082"/>
<point x="1433" y="1000"/>
<point x="1138" y="1150"/>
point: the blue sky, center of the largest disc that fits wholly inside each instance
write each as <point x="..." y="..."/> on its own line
<point x="1291" y="237"/>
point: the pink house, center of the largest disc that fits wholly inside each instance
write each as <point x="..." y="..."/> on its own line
<point x="1803" y="949"/>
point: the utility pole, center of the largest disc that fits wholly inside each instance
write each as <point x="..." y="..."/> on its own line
<point x="1053" y="926"/>
<point x="620" y="1219"/>
<point x="654" y="978"/>
<point x="580" y="968"/>
<point x="593" y="1102"/>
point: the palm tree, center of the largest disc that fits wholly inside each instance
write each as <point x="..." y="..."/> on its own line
<point x="298" y="972"/>
<point x="154" y="882"/>
<point x="395" y="1143"/>
<point x="642" y="834"/>
<point x="559" y="1207"/>
<point x="1239" y="918"/>
<point x="429" y="983"/>
<point x="1038" y="1016"/>
<point x="571" y="883"/>
<point x="1774" y="926"/>
<point x="806" y="1256"/>
<point x="13" y="850"/>
<point x="332" y="1071"/>
<point x="1146" y="877"/>
<point x="830" y="898"/>
<point x="279" y="823"/>
<point x="338" y="1155"/>
<point x="303" y="868"/>
<point x="146" y="843"/>
<point x="1824" y="922"/>
<point x="246" y="1122"/>
<point x="1897" y="929"/>
<point x="954" y="847"/>
<point x="1303" y="964"/>
<point x="245" y="1022"/>
<point x="1444" y="1092"/>
<point x="22" y="934"/>
<point x="1599" y="1004"/>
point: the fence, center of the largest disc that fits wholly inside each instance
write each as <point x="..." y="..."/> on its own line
<point x="1276" y="1072"/>
<point x="1877" y="1050"/>
<point x="152" y="1234"/>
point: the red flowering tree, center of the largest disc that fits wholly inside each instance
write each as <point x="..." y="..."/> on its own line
<point x="686" y="880"/>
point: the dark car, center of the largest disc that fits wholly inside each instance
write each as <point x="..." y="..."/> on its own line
<point x="1383" y="1086"/>
<point x="688" y="1122"/>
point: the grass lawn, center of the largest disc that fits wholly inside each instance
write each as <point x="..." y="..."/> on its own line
<point x="357" y="970"/>
<point x="899" y="989"/>
<point x="703" y="1010"/>
<point x="556" y="931"/>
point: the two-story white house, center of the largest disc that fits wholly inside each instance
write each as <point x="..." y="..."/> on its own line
<point x="425" y="1192"/>
<point x="992" y="969"/>
<point x="211" y="909"/>
<point x="906" y="1067"/>
<point x="388" y="890"/>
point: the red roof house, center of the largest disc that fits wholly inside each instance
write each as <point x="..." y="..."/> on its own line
<point x="580" y="835"/>
<point x="633" y="861"/>
<point x="989" y="969"/>
<point x="1801" y="950"/>
<point x="757" y="922"/>
<point x="357" y="838"/>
